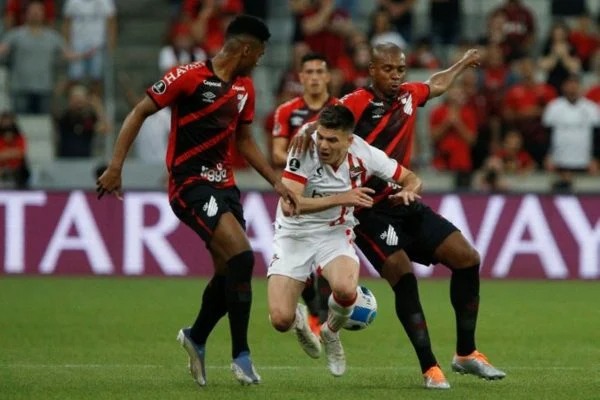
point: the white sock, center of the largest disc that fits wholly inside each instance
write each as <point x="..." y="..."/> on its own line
<point x="338" y="314"/>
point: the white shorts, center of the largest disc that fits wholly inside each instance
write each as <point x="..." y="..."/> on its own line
<point x="297" y="254"/>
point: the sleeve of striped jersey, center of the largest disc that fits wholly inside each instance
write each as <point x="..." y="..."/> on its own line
<point x="299" y="168"/>
<point x="281" y="127"/>
<point x="356" y="102"/>
<point x="379" y="164"/>
<point x="175" y="83"/>
<point x="419" y="90"/>
<point x="247" y="113"/>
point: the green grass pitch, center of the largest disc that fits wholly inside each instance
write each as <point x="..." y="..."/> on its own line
<point x="114" y="338"/>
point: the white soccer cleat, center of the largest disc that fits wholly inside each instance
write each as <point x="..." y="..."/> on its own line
<point x="476" y="364"/>
<point x="309" y="342"/>
<point x="196" y="354"/>
<point x="336" y="359"/>
<point x="243" y="369"/>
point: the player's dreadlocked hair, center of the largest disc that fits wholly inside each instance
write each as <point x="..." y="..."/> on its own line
<point x="337" y="117"/>
<point x="250" y="26"/>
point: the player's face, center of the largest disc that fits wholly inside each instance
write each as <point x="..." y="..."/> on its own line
<point x="251" y="54"/>
<point x="314" y="77"/>
<point x="387" y="71"/>
<point x="332" y="145"/>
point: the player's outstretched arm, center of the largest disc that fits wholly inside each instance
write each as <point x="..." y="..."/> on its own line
<point x="441" y="81"/>
<point x="110" y="180"/>
<point x="247" y="147"/>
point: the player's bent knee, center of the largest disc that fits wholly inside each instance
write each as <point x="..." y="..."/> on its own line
<point x="281" y="320"/>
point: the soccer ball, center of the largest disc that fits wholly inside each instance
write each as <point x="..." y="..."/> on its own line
<point x="365" y="310"/>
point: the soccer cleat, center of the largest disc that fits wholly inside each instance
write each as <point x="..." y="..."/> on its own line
<point x="434" y="378"/>
<point x="308" y="340"/>
<point x="244" y="370"/>
<point x="315" y="324"/>
<point x="196" y="354"/>
<point x="476" y="364"/>
<point x="336" y="359"/>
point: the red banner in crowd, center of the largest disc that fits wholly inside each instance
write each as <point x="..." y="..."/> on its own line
<point x="518" y="236"/>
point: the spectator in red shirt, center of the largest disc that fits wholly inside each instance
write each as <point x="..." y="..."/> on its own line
<point x="585" y="39"/>
<point x="209" y="20"/>
<point x="13" y="168"/>
<point x="422" y="56"/>
<point x="519" y="27"/>
<point x="325" y="29"/>
<point x="15" y="11"/>
<point x="453" y="132"/>
<point x="524" y="104"/>
<point x="515" y="159"/>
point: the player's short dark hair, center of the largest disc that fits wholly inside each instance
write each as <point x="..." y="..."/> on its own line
<point x="312" y="57"/>
<point x="336" y="116"/>
<point x="250" y="26"/>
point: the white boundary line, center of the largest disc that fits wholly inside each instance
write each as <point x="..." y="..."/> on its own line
<point x="277" y="367"/>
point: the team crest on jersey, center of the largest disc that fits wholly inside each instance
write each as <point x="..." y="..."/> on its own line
<point x="408" y="106"/>
<point x="294" y="164"/>
<point x="296" y="121"/>
<point x="159" y="87"/>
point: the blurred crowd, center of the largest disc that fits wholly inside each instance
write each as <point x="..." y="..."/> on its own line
<point x="533" y="105"/>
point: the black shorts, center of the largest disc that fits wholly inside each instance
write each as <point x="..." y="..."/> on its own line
<point x="200" y="207"/>
<point x="416" y="229"/>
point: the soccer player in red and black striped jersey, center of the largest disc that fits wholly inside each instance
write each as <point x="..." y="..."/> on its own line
<point x="293" y="114"/>
<point x="392" y="235"/>
<point x="289" y="117"/>
<point x="212" y="104"/>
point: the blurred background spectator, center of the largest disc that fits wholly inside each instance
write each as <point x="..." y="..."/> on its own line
<point x="180" y="49"/>
<point x="32" y="50"/>
<point x="15" y="12"/>
<point x="78" y="125"/>
<point x="559" y="58"/>
<point x="572" y="120"/>
<point x="90" y="26"/>
<point x="14" y="171"/>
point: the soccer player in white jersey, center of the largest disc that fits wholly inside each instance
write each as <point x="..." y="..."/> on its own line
<point x="327" y="181"/>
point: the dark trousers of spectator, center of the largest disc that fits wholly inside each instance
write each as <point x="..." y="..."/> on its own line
<point x="31" y="102"/>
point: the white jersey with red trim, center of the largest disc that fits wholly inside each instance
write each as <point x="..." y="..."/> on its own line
<point x="362" y="161"/>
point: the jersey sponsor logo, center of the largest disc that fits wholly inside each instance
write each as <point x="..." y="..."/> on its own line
<point x="378" y="112"/>
<point x="296" y="121"/>
<point x="214" y="174"/>
<point x="212" y="83"/>
<point x="172" y="76"/>
<point x="300" y="112"/>
<point x="390" y="236"/>
<point x="239" y="88"/>
<point x="209" y="97"/>
<point x="376" y="103"/>
<point x="159" y="87"/>
<point x="294" y="164"/>
<point x="356" y="171"/>
<point x="211" y="207"/>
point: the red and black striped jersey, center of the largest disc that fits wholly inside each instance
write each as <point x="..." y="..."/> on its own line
<point x="293" y="114"/>
<point x="387" y="125"/>
<point x="206" y="112"/>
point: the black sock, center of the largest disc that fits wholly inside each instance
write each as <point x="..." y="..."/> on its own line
<point x="464" y="295"/>
<point x="239" y="299"/>
<point x="309" y="295"/>
<point x="213" y="308"/>
<point x="324" y="291"/>
<point x="410" y="314"/>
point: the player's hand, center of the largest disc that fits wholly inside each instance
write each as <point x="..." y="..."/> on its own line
<point x="358" y="197"/>
<point x="403" y="197"/>
<point x="290" y="200"/>
<point x="472" y="58"/>
<point x="109" y="182"/>
<point x="303" y="140"/>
